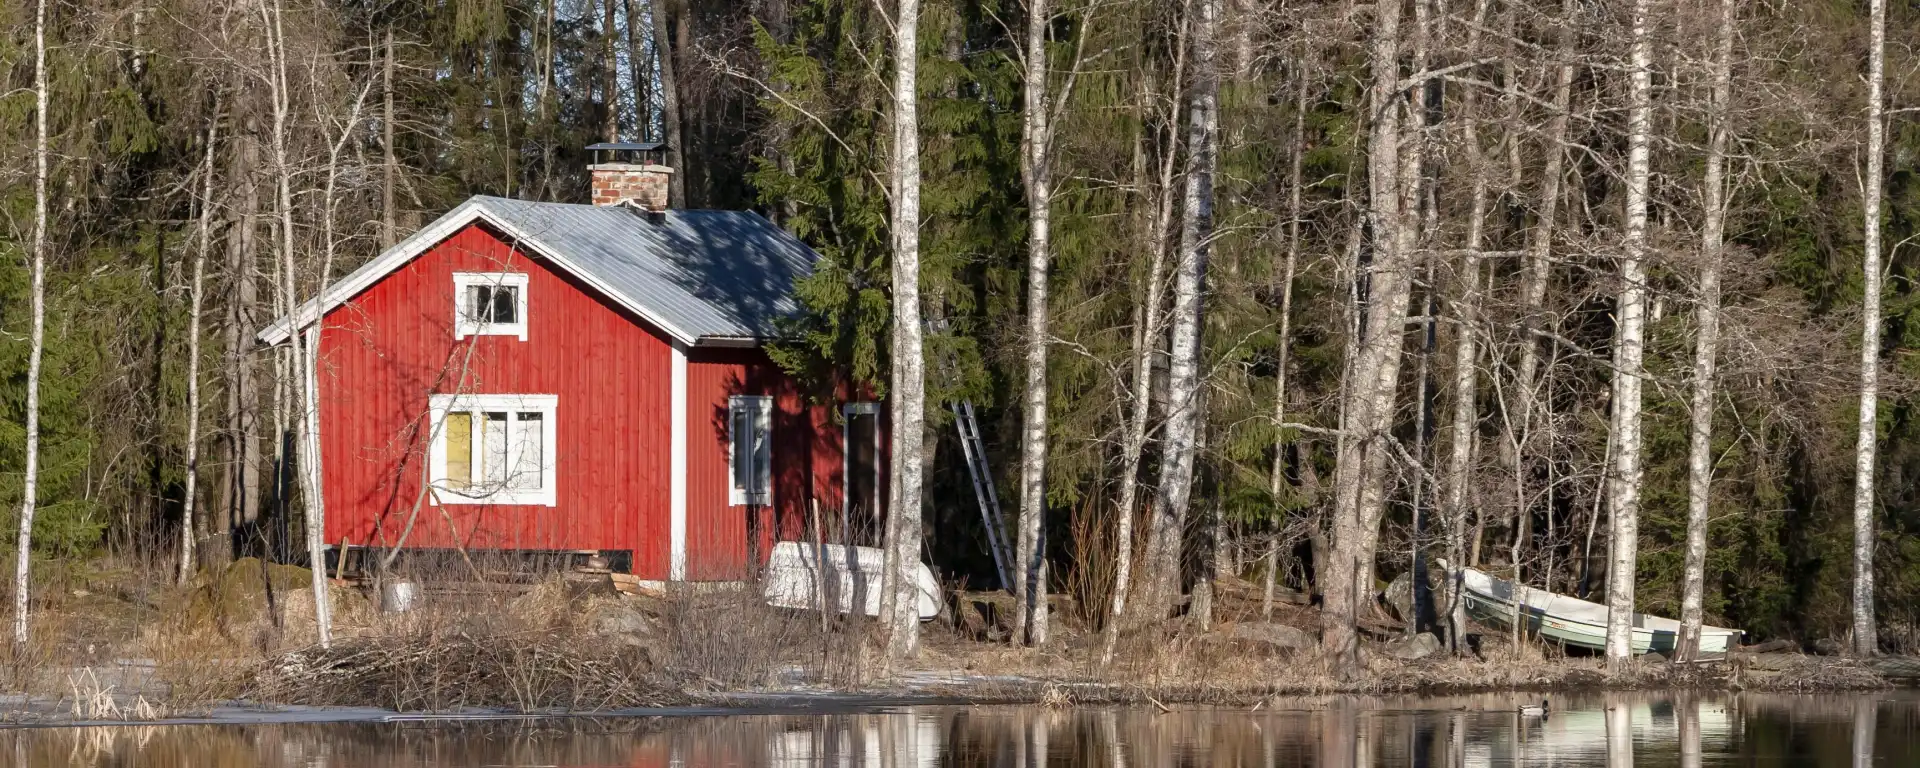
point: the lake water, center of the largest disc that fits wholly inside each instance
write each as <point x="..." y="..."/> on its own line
<point x="1877" y="729"/>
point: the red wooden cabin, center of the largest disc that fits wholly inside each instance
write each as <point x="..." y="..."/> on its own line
<point x="555" y="377"/>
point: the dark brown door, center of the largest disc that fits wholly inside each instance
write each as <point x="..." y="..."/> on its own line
<point x="863" y="521"/>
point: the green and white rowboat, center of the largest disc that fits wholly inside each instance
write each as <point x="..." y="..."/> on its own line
<point x="1573" y="621"/>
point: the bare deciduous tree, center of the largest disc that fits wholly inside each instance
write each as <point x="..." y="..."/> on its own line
<point x="1623" y="495"/>
<point x="1706" y="344"/>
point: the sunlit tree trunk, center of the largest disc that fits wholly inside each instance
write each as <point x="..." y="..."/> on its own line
<point x="1706" y="346"/>
<point x="1147" y="329"/>
<point x="30" y="476"/>
<point x="1374" y="350"/>
<point x="1865" y="633"/>
<point x="279" y="91"/>
<point x="196" y="292"/>
<point x="1623" y="497"/>
<point x="908" y="393"/>
<point x="1030" y="567"/>
<point x="1181" y="434"/>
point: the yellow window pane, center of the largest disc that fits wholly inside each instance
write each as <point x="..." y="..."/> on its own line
<point x="459" y="431"/>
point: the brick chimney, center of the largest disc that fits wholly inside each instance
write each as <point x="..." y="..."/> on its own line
<point x="638" y="179"/>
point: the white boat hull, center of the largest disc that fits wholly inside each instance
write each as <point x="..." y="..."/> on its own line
<point x="852" y="577"/>
<point x="1574" y="621"/>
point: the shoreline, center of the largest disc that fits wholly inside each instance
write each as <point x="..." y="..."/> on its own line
<point x="1795" y="674"/>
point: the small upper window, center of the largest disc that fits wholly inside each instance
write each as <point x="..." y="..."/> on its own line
<point x="490" y="304"/>
<point x="749" y="450"/>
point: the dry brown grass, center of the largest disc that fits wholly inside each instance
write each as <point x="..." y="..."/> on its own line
<point x="1175" y="665"/>
<point x="568" y="643"/>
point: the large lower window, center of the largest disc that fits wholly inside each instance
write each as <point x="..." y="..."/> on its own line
<point x="750" y="450"/>
<point x="493" y="449"/>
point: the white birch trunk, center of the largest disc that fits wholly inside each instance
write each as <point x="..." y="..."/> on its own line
<point x="1146" y="336"/>
<point x="1374" y="354"/>
<point x="1030" y="567"/>
<point x="189" y="543"/>
<point x="30" y="477"/>
<point x="1865" y="633"/>
<point x="302" y="372"/>
<point x="1624" y="493"/>
<point x="1706" y="346"/>
<point x="909" y="373"/>
<point x="1182" y="429"/>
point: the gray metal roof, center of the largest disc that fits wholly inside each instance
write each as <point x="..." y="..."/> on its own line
<point x="711" y="274"/>
<point x="701" y="276"/>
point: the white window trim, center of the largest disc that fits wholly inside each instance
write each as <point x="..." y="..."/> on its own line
<point x="547" y="405"/>
<point x="736" y="496"/>
<point x="464" y="326"/>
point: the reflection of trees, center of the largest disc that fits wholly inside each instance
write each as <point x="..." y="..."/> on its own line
<point x="1335" y="732"/>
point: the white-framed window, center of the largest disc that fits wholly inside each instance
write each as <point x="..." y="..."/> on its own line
<point x="490" y="304"/>
<point x="749" y="450"/>
<point x="494" y="449"/>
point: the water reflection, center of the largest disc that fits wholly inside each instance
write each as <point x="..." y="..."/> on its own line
<point x="1683" y="729"/>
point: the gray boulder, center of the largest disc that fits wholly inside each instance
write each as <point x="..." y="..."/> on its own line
<point x="1413" y="648"/>
<point x="622" y="624"/>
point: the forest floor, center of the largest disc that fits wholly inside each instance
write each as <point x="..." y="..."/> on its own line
<point x="118" y="642"/>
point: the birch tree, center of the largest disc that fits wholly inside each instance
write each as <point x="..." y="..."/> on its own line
<point x="1707" y="343"/>
<point x="908" y="393"/>
<point x="301" y="351"/>
<point x="23" y="561"/>
<point x="1865" y="634"/>
<point x="1373" y="375"/>
<point x="1623" y="496"/>
<point x="196" y="292"/>
<point x="1181" y="433"/>
<point x="1041" y="113"/>
<point x="1147" y="327"/>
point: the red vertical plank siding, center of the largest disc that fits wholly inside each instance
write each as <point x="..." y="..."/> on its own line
<point x="386" y="350"/>
<point x="806" y="463"/>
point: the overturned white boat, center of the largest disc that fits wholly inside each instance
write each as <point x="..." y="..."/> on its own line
<point x="851" y="577"/>
<point x="1573" y="621"/>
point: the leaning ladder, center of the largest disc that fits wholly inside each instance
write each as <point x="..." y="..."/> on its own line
<point x="976" y="452"/>
<point x="983" y="491"/>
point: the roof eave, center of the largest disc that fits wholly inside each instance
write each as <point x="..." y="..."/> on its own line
<point x="732" y="341"/>
<point x="406" y="250"/>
